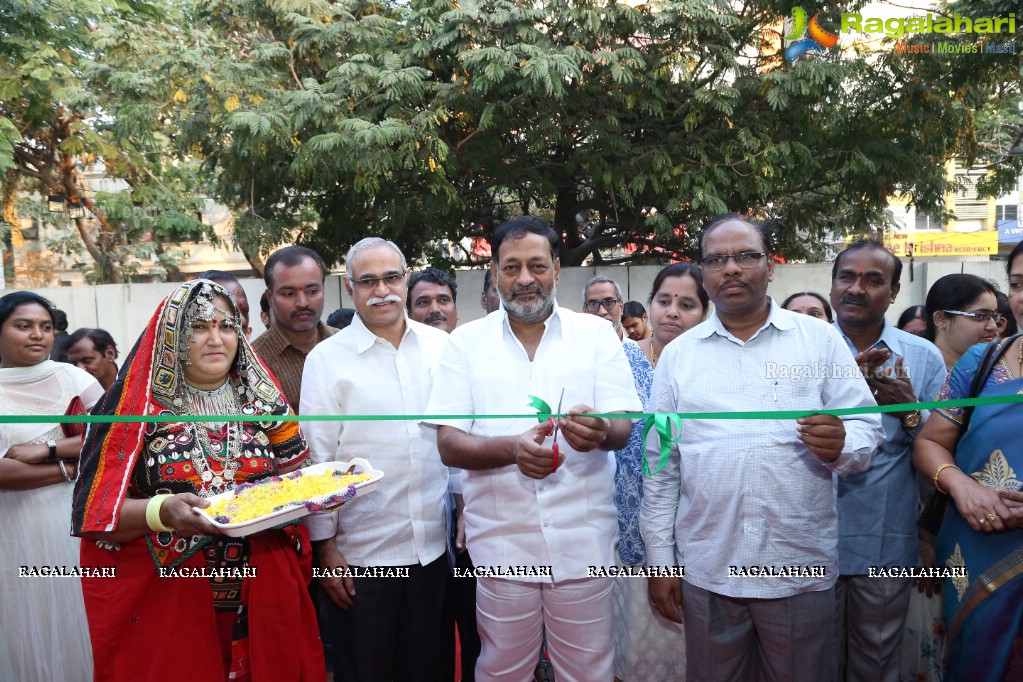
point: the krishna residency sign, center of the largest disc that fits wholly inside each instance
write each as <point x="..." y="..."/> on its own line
<point x="933" y="244"/>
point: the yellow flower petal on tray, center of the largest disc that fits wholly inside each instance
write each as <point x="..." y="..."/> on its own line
<point x="251" y="501"/>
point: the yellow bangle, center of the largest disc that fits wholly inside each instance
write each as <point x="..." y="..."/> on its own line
<point x="937" y="472"/>
<point x="153" y="513"/>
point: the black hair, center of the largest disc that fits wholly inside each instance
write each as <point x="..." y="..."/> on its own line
<point x="1016" y="252"/>
<point x="824" y="302"/>
<point x="434" y="276"/>
<point x="953" y="292"/>
<point x="520" y="227"/>
<point x="488" y="278"/>
<point x="1005" y="310"/>
<point x="264" y="302"/>
<point x="290" y="256"/>
<point x="59" y="319"/>
<point x="10" y="301"/>
<point x="633" y="309"/>
<point x="861" y="243"/>
<point x="341" y="318"/>
<point x="761" y="228"/>
<point x="101" y="338"/>
<point x="218" y="276"/>
<point x="911" y="313"/>
<point x="681" y="270"/>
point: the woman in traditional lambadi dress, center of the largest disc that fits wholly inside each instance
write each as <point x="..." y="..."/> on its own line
<point x="133" y="508"/>
<point x="43" y="633"/>
<point x="981" y="467"/>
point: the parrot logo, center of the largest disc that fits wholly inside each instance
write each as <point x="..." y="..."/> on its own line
<point x="816" y="38"/>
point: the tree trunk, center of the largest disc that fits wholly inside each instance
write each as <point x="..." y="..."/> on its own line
<point x="565" y="210"/>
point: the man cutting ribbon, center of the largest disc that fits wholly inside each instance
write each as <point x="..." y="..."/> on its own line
<point x="518" y="510"/>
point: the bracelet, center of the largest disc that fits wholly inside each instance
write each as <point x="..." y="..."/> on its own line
<point x="63" y="470"/>
<point x="153" y="514"/>
<point x="937" y="472"/>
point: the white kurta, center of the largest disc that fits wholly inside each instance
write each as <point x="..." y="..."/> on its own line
<point x="44" y="634"/>
<point x="566" y="521"/>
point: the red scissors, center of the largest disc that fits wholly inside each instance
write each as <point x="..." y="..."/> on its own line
<point x="554" y="432"/>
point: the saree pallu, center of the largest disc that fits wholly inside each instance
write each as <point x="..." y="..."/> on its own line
<point x="984" y="606"/>
<point x="148" y="627"/>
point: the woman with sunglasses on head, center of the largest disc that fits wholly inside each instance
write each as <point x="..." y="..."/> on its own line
<point x="43" y="631"/>
<point x="961" y="311"/>
<point x="977" y="459"/>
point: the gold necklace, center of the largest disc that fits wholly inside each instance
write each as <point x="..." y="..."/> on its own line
<point x="1019" y="359"/>
<point x="654" y="353"/>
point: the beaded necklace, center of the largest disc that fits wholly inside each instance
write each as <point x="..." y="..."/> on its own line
<point x="220" y="401"/>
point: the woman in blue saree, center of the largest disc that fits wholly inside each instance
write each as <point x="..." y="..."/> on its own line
<point x="981" y="537"/>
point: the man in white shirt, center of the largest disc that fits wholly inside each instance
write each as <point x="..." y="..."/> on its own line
<point x="748" y="506"/>
<point x="383" y="627"/>
<point x="546" y="519"/>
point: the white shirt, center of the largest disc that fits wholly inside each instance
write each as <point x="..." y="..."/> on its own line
<point x="567" y="521"/>
<point x="745" y="493"/>
<point x="402" y="522"/>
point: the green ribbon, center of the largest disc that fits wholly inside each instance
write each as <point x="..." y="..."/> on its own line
<point x="542" y="408"/>
<point x="661" y="421"/>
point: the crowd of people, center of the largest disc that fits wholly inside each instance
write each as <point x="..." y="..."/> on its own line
<point x="579" y="545"/>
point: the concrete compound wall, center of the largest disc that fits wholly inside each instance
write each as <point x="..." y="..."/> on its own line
<point x="788" y="279"/>
<point x="124" y="309"/>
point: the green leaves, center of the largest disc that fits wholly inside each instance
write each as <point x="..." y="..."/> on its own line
<point x="9" y="136"/>
<point x="325" y="121"/>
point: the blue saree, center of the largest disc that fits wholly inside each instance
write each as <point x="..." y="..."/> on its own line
<point x="984" y="606"/>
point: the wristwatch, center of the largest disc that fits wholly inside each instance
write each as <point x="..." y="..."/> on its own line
<point x="912" y="420"/>
<point x="52" y="444"/>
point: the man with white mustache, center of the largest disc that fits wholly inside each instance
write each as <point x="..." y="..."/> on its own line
<point x="386" y="627"/>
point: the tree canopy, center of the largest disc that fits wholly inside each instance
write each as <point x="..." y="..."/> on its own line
<point x="625" y="124"/>
<point x="62" y="110"/>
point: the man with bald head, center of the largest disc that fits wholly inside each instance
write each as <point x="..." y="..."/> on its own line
<point x="748" y="506"/>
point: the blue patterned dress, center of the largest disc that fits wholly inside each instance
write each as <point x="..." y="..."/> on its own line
<point x="629" y="474"/>
<point x="648" y="647"/>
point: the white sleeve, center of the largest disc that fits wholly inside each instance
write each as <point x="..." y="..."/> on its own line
<point x="863" y="432"/>
<point x="323" y="437"/>
<point x="452" y="386"/>
<point x="661" y="491"/>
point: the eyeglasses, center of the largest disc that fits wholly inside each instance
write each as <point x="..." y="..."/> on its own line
<point x="608" y="303"/>
<point x="745" y="260"/>
<point x="981" y="316"/>
<point x="370" y="283"/>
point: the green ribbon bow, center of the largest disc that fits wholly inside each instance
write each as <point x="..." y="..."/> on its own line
<point x="543" y="410"/>
<point x="662" y="421"/>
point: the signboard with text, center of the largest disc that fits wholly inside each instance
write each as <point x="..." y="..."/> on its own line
<point x="933" y="244"/>
<point x="1010" y="231"/>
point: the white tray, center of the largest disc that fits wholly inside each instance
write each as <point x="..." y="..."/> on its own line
<point x="298" y="510"/>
